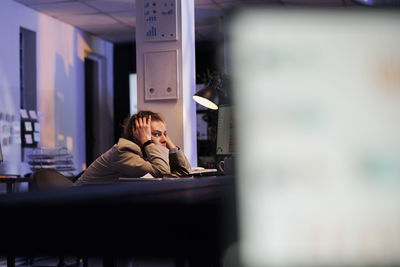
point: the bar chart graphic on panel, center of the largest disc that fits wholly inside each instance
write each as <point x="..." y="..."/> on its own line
<point x="160" y="20"/>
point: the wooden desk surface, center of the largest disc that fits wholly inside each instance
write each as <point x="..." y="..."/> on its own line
<point x="4" y="178"/>
<point x="193" y="217"/>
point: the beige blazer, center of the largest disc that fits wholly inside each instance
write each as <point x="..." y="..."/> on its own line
<point x="125" y="159"/>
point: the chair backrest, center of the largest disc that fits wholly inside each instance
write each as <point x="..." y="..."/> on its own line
<point x="49" y="179"/>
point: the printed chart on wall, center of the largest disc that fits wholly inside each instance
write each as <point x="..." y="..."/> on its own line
<point x="160" y="20"/>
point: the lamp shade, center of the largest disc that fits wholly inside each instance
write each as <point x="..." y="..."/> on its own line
<point x="209" y="95"/>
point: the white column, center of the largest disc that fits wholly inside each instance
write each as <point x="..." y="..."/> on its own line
<point x="154" y="26"/>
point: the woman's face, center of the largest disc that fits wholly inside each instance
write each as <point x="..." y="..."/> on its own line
<point x="159" y="133"/>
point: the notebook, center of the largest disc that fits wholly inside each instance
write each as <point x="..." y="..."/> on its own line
<point x="195" y="172"/>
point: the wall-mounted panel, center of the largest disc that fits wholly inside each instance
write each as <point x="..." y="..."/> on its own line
<point x="164" y="66"/>
<point x="160" y="20"/>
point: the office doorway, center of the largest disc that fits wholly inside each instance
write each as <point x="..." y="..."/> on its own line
<point x="98" y="108"/>
<point x="91" y="91"/>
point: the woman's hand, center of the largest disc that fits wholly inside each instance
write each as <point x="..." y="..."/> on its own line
<point x="169" y="142"/>
<point x="142" y="131"/>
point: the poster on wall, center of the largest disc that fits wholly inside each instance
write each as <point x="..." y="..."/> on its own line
<point x="160" y="20"/>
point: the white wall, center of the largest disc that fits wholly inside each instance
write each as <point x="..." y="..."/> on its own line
<point x="61" y="50"/>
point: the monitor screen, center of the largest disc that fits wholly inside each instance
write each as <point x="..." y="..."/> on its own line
<point x="317" y="111"/>
<point x="225" y="138"/>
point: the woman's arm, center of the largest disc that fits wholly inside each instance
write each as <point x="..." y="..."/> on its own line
<point x="131" y="163"/>
<point x="178" y="161"/>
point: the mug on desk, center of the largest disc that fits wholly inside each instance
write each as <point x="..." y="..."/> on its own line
<point x="226" y="166"/>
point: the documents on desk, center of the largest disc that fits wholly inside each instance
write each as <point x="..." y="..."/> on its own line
<point x="146" y="177"/>
<point x="195" y="172"/>
<point x="201" y="172"/>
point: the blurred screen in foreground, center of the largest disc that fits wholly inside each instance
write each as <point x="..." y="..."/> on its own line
<point x="317" y="98"/>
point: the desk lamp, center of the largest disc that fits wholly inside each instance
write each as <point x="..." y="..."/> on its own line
<point x="214" y="94"/>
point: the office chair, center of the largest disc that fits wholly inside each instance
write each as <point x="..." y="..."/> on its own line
<point x="48" y="179"/>
<point x="44" y="179"/>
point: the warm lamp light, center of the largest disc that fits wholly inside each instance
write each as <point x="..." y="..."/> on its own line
<point x="205" y="102"/>
<point x="213" y="94"/>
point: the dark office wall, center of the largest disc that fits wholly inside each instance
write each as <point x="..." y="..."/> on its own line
<point x="124" y="64"/>
<point x="208" y="59"/>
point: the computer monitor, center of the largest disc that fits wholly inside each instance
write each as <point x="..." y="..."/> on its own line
<point x="317" y="111"/>
<point x="225" y="130"/>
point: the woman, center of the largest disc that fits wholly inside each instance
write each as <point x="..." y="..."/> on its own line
<point x="144" y="148"/>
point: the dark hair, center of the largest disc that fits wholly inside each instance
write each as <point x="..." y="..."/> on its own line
<point x="129" y="123"/>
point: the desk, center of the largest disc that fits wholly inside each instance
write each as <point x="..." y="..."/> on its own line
<point x="11" y="180"/>
<point x="191" y="218"/>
